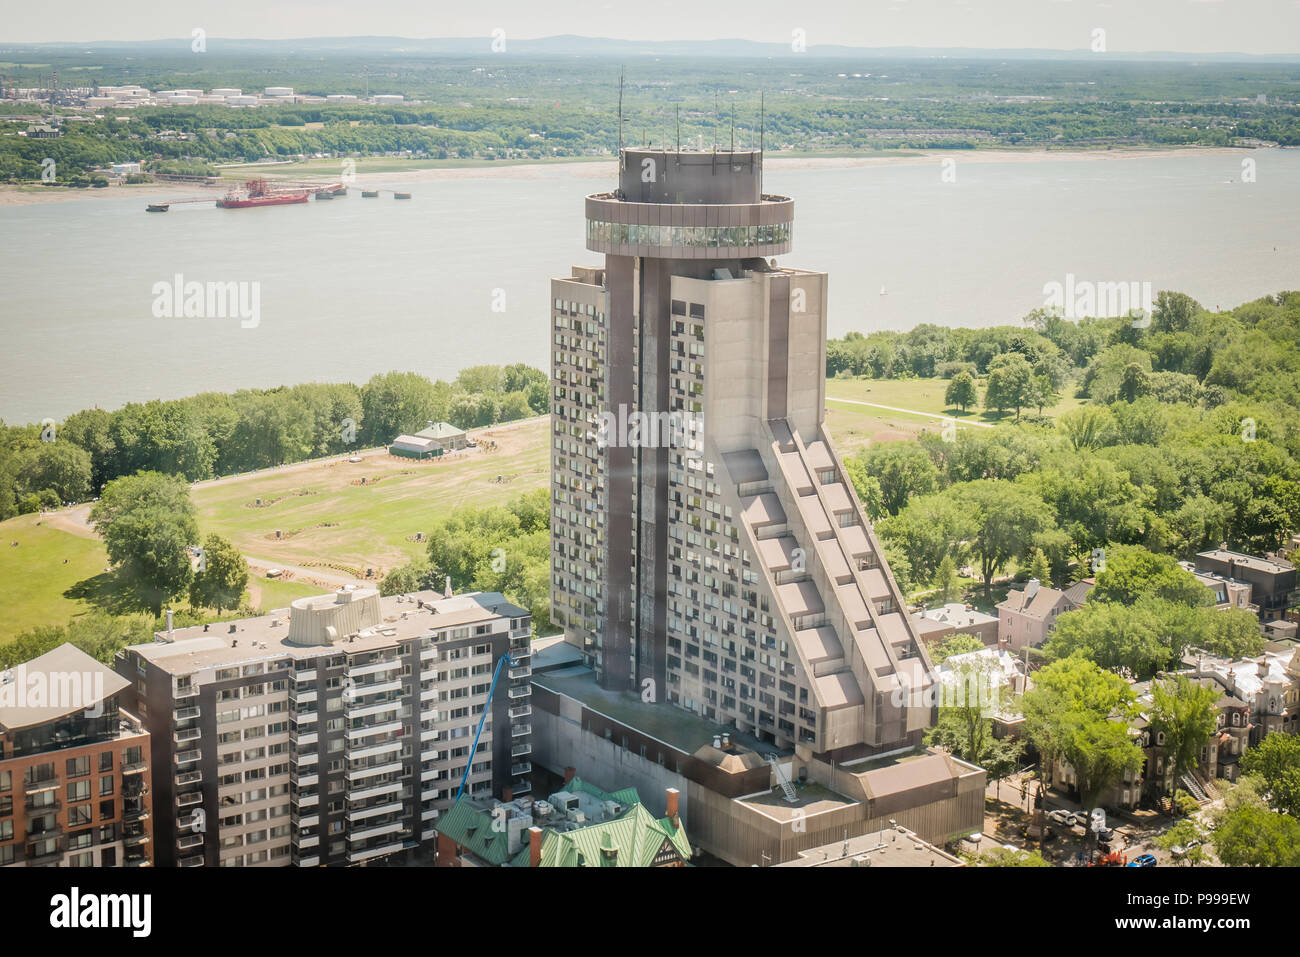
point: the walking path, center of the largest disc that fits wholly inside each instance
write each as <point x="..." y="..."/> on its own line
<point x="926" y="415"/>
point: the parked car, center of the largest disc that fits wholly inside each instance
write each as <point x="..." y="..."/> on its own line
<point x="1143" y="860"/>
<point x="1061" y="817"/>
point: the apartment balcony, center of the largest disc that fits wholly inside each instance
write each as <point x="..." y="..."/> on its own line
<point x="303" y="718"/>
<point x="361" y="814"/>
<point x="140" y="861"/>
<point x="429" y="694"/>
<point x="430" y="754"/>
<point x="188" y="756"/>
<point x="431" y="653"/>
<point x="187" y="734"/>
<point x="360" y="774"/>
<point x="521" y="767"/>
<point x="301" y="697"/>
<point x="372" y="668"/>
<point x="430" y="774"/>
<point x="521" y="671"/>
<point x="304" y="779"/>
<point x="521" y="691"/>
<point x="306" y="843"/>
<point x="186" y="778"/>
<point x="188" y="842"/>
<point x="304" y="738"/>
<point x="185" y="713"/>
<point x="308" y="820"/>
<point x="428" y="835"/>
<point x="305" y="677"/>
<point x="189" y="799"/>
<point x="305" y="800"/>
<point x="388" y="727"/>
<point x="521" y="787"/>
<point x="187" y="823"/>
<point x="312" y="861"/>
<point x="522" y="711"/>
<point x="194" y="860"/>
<point x="353" y="710"/>
<point x="519" y="750"/>
<point x="364" y="691"/>
<point x="44" y="860"/>
<point x="375" y="830"/>
<point x="189" y="691"/>
<point x="356" y="857"/>
<point x="134" y="811"/>
<point x="519" y="730"/>
<point x="311" y="757"/>
<point x="431" y="814"/>
<point x="360" y="795"/>
<point x="364" y="752"/>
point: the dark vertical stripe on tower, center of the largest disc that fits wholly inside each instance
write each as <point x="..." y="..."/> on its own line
<point x="620" y="479"/>
<point x="778" y="346"/>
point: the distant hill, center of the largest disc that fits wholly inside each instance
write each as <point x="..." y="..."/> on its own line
<point x="570" y="46"/>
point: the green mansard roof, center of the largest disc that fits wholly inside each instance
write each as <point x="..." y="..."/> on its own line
<point x="636" y="838"/>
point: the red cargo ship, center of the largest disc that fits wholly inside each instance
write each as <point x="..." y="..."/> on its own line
<point x="258" y="192"/>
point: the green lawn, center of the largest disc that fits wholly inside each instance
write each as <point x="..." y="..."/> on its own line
<point x="324" y="513"/>
<point x="36" y="577"/>
<point x="925" y="396"/>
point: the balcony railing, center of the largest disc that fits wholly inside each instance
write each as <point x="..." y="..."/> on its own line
<point x="522" y="767"/>
<point x="194" y="860"/>
<point x="189" y="777"/>
<point x="519" y="750"/>
<point x="187" y="734"/>
<point x="189" y="799"/>
<point x="187" y="841"/>
<point x="187" y="756"/>
<point x="185" y="713"/>
<point x="519" y="730"/>
<point x="522" y="711"/>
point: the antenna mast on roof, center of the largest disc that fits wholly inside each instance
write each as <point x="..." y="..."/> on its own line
<point x="620" y="112"/>
<point x="762" y="126"/>
<point x="679" y="127"/>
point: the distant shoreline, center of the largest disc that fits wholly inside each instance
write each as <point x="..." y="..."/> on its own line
<point x="595" y="169"/>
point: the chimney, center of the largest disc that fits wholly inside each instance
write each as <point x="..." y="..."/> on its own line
<point x="507" y="795"/>
<point x="534" y="847"/>
<point x="1031" y="589"/>
<point x="726" y="740"/>
<point x="672" y="814"/>
<point x="569" y="774"/>
<point x="169" y="624"/>
<point x="717" y="741"/>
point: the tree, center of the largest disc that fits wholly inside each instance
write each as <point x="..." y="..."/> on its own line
<point x="1115" y="637"/>
<point x="902" y="469"/>
<point x="1186" y="713"/>
<point x="867" y="487"/>
<point x="147" y="523"/>
<point x="946" y="581"/>
<point x="1087" y="428"/>
<point x="1005" y="857"/>
<point x="398" y="402"/>
<point x="961" y="391"/>
<point x="1079" y="713"/>
<point x="1040" y="569"/>
<point x="1006" y="518"/>
<point x="411" y="577"/>
<point x="1010" y="383"/>
<point x="928" y="530"/>
<point x="1133" y="572"/>
<point x="1250" y="835"/>
<point x="1181" y="835"/>
<point x="60" y="466"/>
<point x="958" y="643"/>
<point x="224" y="574"/>
<point x="1276" y="761"/>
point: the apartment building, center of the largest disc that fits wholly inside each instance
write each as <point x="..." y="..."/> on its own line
<point x="75" y="769"/>
<point x="1272" y="581"/>
<point x="1026" y="618"/>
<point x="708" y="550"/>
<point x="334" y="733"/>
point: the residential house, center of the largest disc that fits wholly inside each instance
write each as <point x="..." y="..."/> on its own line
<point x="1026" y="618"/>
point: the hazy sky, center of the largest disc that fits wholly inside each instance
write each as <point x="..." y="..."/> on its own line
<point x="1191" y="26"/>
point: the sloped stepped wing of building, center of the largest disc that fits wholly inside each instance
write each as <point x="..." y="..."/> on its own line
<point x="709" y="551"/>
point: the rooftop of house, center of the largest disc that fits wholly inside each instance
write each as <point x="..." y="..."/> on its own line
<point x="440" y="430"/>
<point x="958" y="615"/>
<point x="1243" y="677"/>
<point x="582" y="826"/>
<point x="54" y="685"/>
<point x="1077" y="593"/>
<point x="1253" y="562"/>
<point x="894" y="847"/>
<point x="1040" y="603"/>
<point x="247" y="640"/>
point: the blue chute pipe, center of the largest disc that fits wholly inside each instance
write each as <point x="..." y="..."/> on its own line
<point x="487" y="709"/>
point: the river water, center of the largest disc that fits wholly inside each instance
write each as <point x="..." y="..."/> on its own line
<point x="458" y="275"/>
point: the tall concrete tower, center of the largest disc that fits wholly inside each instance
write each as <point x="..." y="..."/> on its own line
<point x="708" y="550"/>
